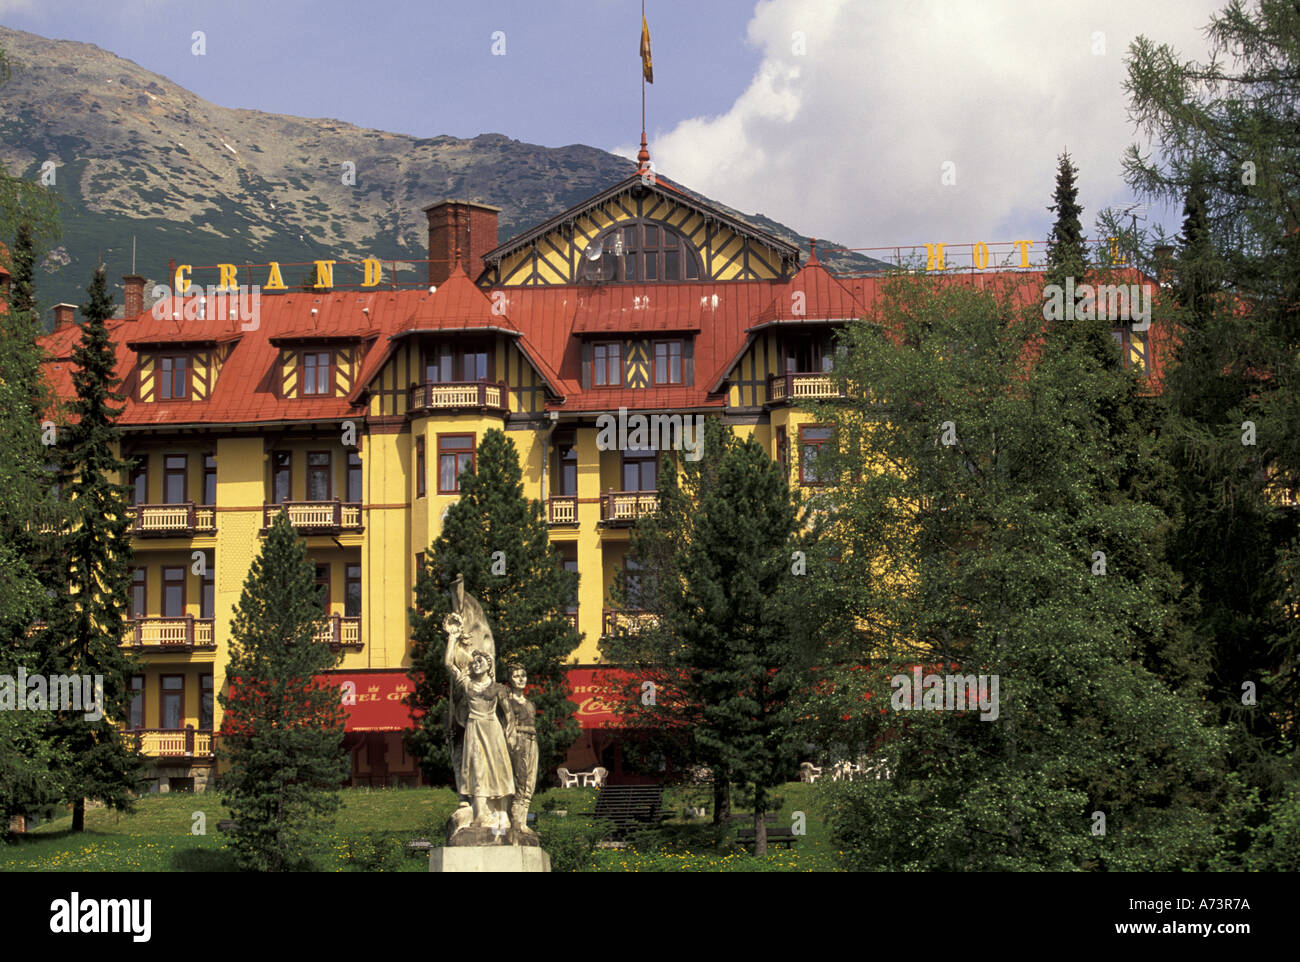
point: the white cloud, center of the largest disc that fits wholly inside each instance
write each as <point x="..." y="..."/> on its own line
<point x="848" y="141"/>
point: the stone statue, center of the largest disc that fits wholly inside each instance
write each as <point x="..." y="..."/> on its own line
<point x="487" y="730"/>
<point x="521" y="734"/>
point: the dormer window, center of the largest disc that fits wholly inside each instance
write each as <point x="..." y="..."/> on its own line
<point x="607" y="364"/>
<point x="643" y="251"/>
<point x="316" y="373"/>
<point x="668" y="362"/>
<point x="174" y="378"/>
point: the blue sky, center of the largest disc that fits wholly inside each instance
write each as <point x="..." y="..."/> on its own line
<point x="834" y="116"/>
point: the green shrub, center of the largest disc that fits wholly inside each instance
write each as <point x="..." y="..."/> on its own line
<point x="570" y="842"/>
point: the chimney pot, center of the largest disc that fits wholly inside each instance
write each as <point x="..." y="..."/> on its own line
<point x="64" y="315"/>
<point x="459" y="227"/>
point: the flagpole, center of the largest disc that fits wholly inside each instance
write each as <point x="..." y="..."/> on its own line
<point x="643" y="85"/>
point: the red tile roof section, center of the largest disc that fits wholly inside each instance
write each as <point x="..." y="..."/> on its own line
<point x="549" y="320"/>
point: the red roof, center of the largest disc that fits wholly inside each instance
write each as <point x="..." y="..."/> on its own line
<point x="549" y="323"/>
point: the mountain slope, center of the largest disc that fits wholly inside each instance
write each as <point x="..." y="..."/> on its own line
<point x="137" y="156"/>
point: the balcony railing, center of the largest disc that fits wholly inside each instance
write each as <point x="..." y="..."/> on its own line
<point x="172" y="520"/>
<point x="316" y="516"/>
<point x="341" y="631"/>
<point x="170" y="742"/>
<point x="562" y="509"/>
<point x="460" y="394"/>
<point x="186" y="633"/>
<point x="625" y="507"/>
<point x="616" y="622"/>
<point x="801" y="387"/>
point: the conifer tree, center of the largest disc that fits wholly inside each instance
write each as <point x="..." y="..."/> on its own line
<point x="1067" y="252"/>
<point x="87" y="622"/>
<point x="282" y="731"/>
<point x="497" y="539"/>
<point x="1225" y="140"/>
<point x="714" y="568"/>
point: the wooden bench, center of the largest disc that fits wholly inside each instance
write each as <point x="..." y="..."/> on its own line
<point x="775" y="836"/>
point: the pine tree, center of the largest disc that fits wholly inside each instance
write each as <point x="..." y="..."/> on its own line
<point x="970" y="542"/>
<point x="282" y="731"/>
<point x="497" y="539"/>
<point x="715" y="569"/>
<point x="87" y="622"/>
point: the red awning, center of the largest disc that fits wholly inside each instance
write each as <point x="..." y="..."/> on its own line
<point x="597" y="692"/>
<point x="376" y="701"/>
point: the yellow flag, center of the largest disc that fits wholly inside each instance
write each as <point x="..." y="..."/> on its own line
<point x="647" y="67"/>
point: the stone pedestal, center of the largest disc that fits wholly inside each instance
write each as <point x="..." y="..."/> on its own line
<point x="489" y="858"/>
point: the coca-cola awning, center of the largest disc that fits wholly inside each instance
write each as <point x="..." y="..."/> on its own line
<point x="597" y="692"/>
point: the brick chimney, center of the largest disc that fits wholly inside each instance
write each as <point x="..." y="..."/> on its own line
<point x="134" y="297"/>
<point x="460" y="223"/>
<point x="64" y="315"/>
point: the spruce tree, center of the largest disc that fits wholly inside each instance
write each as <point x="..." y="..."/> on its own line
<point x="979" y="537"/>
<point x="281" y="732"/>
<point x="1067" y="252"/>
<point x="87" y="622"/>
<point x="715" y="568"/>
<point x="497" y="539"/>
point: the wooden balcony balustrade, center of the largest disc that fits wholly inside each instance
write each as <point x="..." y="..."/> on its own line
<point x="316" y="516"/>
<point x="341" y="631"/>
<point x="430" y="395"/>
<point x="796" y="386"/>
<point x="170" y="742"/>
<point x="625" y="507"/>
<point x="186" y="633"/>
<point x="617" y="622"/>
<point x="562" y="509"/>
<point x="172" y="520"/>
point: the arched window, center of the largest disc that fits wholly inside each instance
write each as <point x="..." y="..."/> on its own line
<point x="643" y="251"/>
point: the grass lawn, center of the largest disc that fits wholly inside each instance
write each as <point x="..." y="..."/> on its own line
<point x="370" y="831"/>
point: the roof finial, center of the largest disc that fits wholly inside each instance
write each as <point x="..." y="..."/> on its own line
<point x="812" y="243"/>
<point x="643" y="155"/>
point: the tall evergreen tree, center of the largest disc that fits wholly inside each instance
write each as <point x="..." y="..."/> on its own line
<point x="1067" y="252"/>
<point x="714" y="567"/>
<point x="281" y="732"/>
<point x="972" y="536"/>
<point x="498" y="540"/>
<point x="1226" y="140"/>
<point x="87" y="622"/>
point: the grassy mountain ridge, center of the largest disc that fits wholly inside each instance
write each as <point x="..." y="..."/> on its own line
<point x="137" y="156"/>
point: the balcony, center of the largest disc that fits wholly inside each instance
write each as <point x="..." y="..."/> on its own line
<point x="341" y="631"/>
<point x="170" y="742"/>
<point x="562" y="510"/>
<point x="795" y="387"/>
<point x="615" y="622"/>
<point x="625" y="507"/>
<point x="172" y="520"/>
<point x="316" y="517"/>
<point x="170" y="634"/>
<point x="450" y="395"/>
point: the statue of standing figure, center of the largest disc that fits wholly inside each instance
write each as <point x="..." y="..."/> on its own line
<point x="521" y="733"/>
<point x="491" y="731"/>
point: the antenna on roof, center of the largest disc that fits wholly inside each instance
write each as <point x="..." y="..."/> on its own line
<point x="132" y="253"/>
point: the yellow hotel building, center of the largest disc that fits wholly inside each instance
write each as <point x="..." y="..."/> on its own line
<point x="355" y="408"/>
